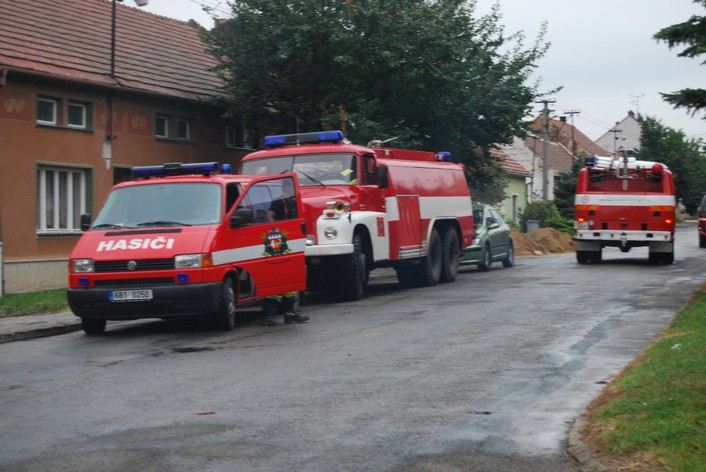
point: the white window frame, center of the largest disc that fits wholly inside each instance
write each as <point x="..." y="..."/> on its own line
<point x="49" y="220"/>
<point x="55" y="107"/>
<point x="165" y="120"/>
<point x="187" y="127"/>
<point x="84" y="114"/>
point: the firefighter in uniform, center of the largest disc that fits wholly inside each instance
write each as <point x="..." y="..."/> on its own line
<point x="285" y="304"/>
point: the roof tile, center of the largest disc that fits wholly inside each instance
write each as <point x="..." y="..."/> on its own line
<point x="72" y="39"/>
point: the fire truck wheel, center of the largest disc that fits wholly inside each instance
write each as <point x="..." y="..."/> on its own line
<point x="702" y="240"/>
<point x="355" y="272"/>
<point x="224" y="318"/>
<point x="509" y="260"/>
<point x="430" y="266"/>
<point x="93" y="325"/>
<point x="450" y="253"/>
<point x="487" y="259"/>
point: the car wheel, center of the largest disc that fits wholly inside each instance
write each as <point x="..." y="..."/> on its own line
<point x="487" y="259"/>
<point x="509" y="260"/>
<point x="93" y="325"/>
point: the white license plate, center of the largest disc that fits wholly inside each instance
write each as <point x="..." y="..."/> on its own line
<point x="130" y="295"/>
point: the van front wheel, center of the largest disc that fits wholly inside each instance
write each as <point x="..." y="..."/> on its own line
<point x="224" y="317"/>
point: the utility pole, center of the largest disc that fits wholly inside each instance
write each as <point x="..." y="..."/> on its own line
<point x="571" y="113"/>
<point x="545" y="151"/>
<point x="615" y="132"/>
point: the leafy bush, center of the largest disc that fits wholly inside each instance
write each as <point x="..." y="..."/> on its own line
<point x="541" y="211"/>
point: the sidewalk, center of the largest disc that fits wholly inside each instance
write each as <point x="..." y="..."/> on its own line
<point x="16" y="328"/>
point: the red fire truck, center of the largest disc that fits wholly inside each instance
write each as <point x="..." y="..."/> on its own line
<point x="625" y="203"/>
<point x="368" y="207"/>
<point x="186" y="240"/>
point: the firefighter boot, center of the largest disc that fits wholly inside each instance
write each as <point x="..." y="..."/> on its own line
<point x="291" y="314"/>
<point x="269" y="310"/>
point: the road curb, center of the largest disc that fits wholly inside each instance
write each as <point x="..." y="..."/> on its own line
<point x="39" y="332"/>
<point x="580" y="451"/>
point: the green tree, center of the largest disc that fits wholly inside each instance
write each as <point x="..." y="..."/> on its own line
<point x="683" y="156"/>
<point x="426" y="72"/>
<point x="692" y="34"/>
<point x="565" y="190"/>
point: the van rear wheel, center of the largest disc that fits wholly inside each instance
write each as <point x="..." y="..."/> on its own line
<point x="93" y="325"/>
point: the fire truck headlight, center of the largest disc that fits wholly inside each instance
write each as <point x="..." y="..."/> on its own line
<point x="331" y="233"/>
<point x="193" y="261"/>
<point x="81" y="265"/>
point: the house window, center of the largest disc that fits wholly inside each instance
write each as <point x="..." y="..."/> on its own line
<point x="76" y="115"/>
<point x="61" y="199"/>
<point x="183" y="129"/>
<point x="47" y="111"/>
<point x="161" y="126"/>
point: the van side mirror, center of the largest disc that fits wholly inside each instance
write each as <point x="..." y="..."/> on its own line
<point x="241" y="217"/>
<point x="85" y="221"/>
<point x="383" y="177"/>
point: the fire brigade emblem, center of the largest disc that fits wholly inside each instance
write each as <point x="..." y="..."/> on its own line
<point x="275" y="242"/>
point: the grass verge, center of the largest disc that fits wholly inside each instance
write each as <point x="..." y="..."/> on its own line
<point x="653" y="417"/>
<point x="34" y="303"/>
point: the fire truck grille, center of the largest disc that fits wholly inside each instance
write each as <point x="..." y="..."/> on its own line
<point x="133" y="266"/>
<point x="133" y="282"/>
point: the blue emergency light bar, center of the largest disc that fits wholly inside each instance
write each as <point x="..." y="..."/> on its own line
<point x="304" y="138"/>
<point x="443" y="156"/>
<point x="175" y="168"/>
<point x="590" y="161"/>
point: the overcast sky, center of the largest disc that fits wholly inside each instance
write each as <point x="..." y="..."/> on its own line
<point x="602" y="53"/>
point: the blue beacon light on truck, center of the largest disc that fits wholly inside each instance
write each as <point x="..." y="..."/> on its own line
<point x="175" y="168"/>
<point x="335" y="136"/>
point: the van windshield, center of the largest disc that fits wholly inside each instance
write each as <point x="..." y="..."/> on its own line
<point x="159" y="205"/>
<point x="312" y="169"/>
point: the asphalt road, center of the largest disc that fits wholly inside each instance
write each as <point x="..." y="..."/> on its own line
<point x="485" y="374"/>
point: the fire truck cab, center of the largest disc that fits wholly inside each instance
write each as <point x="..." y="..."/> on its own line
<point x="625" y="203"/>
<point x="186" y="240"/>
<point x="368" y="207"/>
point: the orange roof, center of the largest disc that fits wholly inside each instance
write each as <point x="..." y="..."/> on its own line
<point x="560" y="131"/>
<point x="510" y="165"/>
<point x="558" y="157"/>
<point x="71" y="39"/>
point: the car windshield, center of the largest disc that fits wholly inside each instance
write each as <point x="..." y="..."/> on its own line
<point x="312" y="169"/>
<point x="159" y="205"/>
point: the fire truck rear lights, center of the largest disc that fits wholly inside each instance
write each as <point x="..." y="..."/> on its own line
<point x="176" y="168"/>
<point x="304" y="138"/>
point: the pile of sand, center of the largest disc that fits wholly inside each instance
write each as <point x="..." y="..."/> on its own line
<point x="542" y="241"/>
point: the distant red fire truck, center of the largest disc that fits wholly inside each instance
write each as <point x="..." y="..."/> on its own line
<point x="369" y="207"/>
<point x="625" y="203"/>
